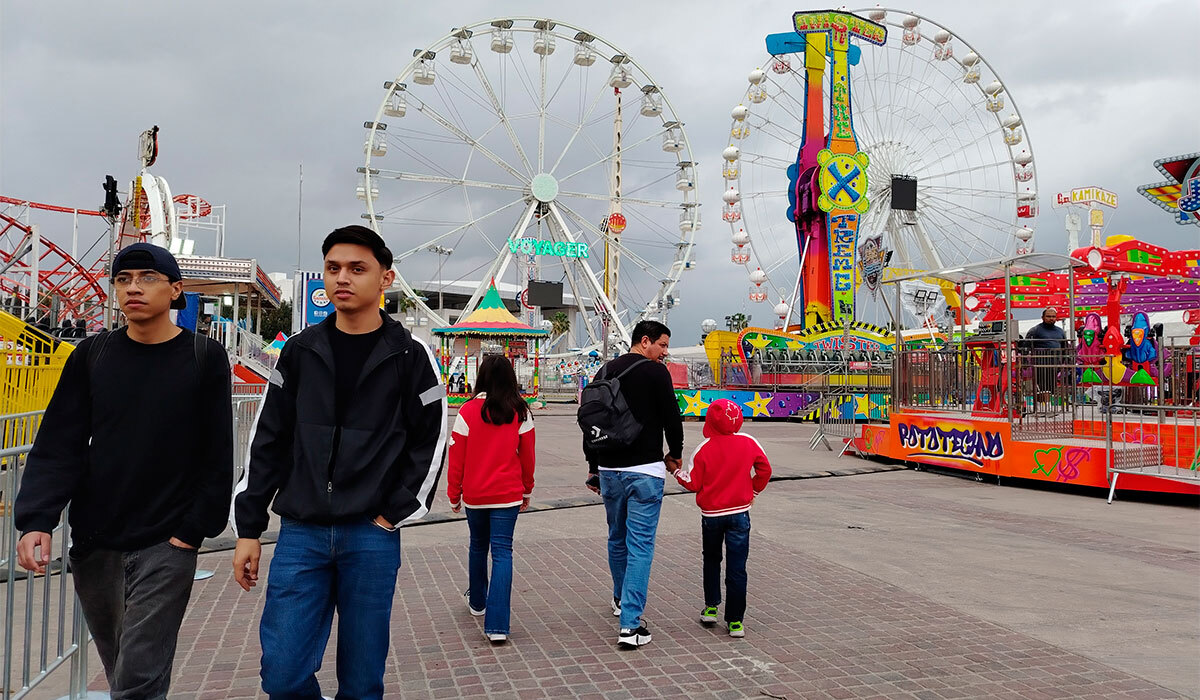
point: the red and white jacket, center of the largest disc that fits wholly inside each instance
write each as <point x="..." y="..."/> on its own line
<point x="729" y="468"/>
<point x="491" y="466"/>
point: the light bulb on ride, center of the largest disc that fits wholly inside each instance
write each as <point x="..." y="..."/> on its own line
<point x="731" y="153"/>
<point x="731" y="196"/>
<point x="758" y="276"/>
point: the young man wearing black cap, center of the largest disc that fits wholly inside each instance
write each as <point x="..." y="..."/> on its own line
<point x="348" y="445"/>
<point x="138" y="438"/>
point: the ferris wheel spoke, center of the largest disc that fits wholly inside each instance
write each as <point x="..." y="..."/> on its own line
<point x="541" y="113"/>
<point x="961" y="147"/>
<point x="601" y="236"/>
<point x="757" y="157"/>
<point x="419" y="177"/>
<point x="961" y="209"/>
<point x="955" y="237"/>
<point x="963" y="171"/>
<point x="467" y="138"/>
<point x="609" y="156"/>
<point x="499" y="110"/>
<point x="973" y="191"/>
<point x="631" y="200"/>
<point x="588" y="275"/>
<point x="463" y="227"/>
<point x="583" y="120"/>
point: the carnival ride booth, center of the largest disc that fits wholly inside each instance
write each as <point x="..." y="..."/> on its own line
<point x="1112" y="399"/>
<point x="489" y="329"/>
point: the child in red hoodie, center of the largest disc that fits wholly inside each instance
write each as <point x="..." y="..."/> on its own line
<point x="491" y="473"/>
<point x="726" y="472"/>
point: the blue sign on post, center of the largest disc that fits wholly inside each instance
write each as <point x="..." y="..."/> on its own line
<point x="316" y="303"/>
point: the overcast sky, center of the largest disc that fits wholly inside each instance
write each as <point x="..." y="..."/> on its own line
<point x="244" y="92"/>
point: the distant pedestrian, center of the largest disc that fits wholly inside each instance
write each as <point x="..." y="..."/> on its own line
<point x="116" y="443"/>
<point x="491" y="474"/>
<point x="348" y="445"/>
<point x="727" y="472"/>
<point x="630" y="476"/>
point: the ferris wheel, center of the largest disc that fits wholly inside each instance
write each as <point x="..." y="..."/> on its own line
<point x="950" y="176"/>
<point x="528" y="149"/>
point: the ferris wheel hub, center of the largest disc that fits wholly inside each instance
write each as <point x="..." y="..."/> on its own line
<point x="544" y="187"/>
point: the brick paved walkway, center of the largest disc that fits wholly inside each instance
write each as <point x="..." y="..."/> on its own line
<point x="815" y="629"/>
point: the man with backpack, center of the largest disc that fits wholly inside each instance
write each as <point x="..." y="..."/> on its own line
<point x="114" y="444"/>
<point x="624" y="413"/>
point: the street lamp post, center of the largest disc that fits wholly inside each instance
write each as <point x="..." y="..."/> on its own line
<point x="442" y="253"/>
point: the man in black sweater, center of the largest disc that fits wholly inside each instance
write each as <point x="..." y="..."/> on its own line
<point x="348" y="446"/>
<point x="138" y="438"/>
<point x="631" y="479"/>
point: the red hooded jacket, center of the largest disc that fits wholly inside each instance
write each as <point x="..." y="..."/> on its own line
<point x="491" y="466"/>
<point x="729" y="468"/>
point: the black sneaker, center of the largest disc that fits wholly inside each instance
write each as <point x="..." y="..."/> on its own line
<point x="616" y="607"/>
<point x="634" y="638"/>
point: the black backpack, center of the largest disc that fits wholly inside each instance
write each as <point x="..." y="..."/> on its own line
<point x="604" y="416"/>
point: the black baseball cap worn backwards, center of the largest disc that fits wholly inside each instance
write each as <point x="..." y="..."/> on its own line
<point x="147" y="256"/>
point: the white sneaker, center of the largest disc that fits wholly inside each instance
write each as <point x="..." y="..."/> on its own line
<point x="476" y="613"/>
<point x="496" y="638"/>
<point x="616" y="607"/>
<point x="634" y="638"/>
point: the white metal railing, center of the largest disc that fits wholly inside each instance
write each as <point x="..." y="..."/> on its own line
<point x="1152" y="440"/>
<point x="40" y="636"/>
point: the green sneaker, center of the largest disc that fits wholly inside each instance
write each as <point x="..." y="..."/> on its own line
<point x="708" y="615"/>
<point x="736" y="629"/>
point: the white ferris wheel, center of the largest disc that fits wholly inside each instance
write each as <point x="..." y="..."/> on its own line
<point x="928" y="110"/>
<point x="524" y="148"/>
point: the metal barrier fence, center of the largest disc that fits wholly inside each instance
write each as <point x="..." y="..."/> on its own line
<point x="44" y="627"/>
<point x="48" y="636"/>
<point x="1156" y="441"/>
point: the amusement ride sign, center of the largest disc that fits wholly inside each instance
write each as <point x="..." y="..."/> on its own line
<point x="842" y="173"/>
<point x="535" y="246"/>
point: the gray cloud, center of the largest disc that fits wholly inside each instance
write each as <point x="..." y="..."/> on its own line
<point x="244" y="92"/>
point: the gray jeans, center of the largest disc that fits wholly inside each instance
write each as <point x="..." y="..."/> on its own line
<point x="134" y="603"/>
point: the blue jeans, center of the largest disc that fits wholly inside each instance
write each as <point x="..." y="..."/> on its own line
<point x="632" y="503"/>
<point x="350" y="567"/>
<point x="492" y="528"/>
<point x="732" y="531"/>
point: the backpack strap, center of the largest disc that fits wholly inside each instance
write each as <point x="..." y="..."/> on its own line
<point x="96" y="350"/>
<point x="200" y="347"/>
<point x="636" y="362"/>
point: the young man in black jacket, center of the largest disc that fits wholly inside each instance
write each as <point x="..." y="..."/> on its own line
<point x="348" y="444"/>
<point x="139" y="440"/>
<point x="631" y="479"/>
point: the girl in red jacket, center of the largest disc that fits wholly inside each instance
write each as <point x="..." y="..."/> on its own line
<point x="491" y="473"/>
<point x="726" y="472"/>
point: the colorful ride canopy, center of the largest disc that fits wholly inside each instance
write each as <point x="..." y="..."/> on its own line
<point x="1153" y="279"/>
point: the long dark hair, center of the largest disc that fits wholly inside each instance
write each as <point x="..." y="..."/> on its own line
<point x="503" y="401"/>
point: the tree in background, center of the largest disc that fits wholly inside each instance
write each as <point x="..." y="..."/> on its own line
<point x="275" y="321"/>
<point x="737" y="322"/>
<point x="560" y="323"/>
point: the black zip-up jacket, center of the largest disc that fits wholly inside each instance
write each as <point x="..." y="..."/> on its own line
<point x="389" y="445"/>
<point x="650" y="395"/>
